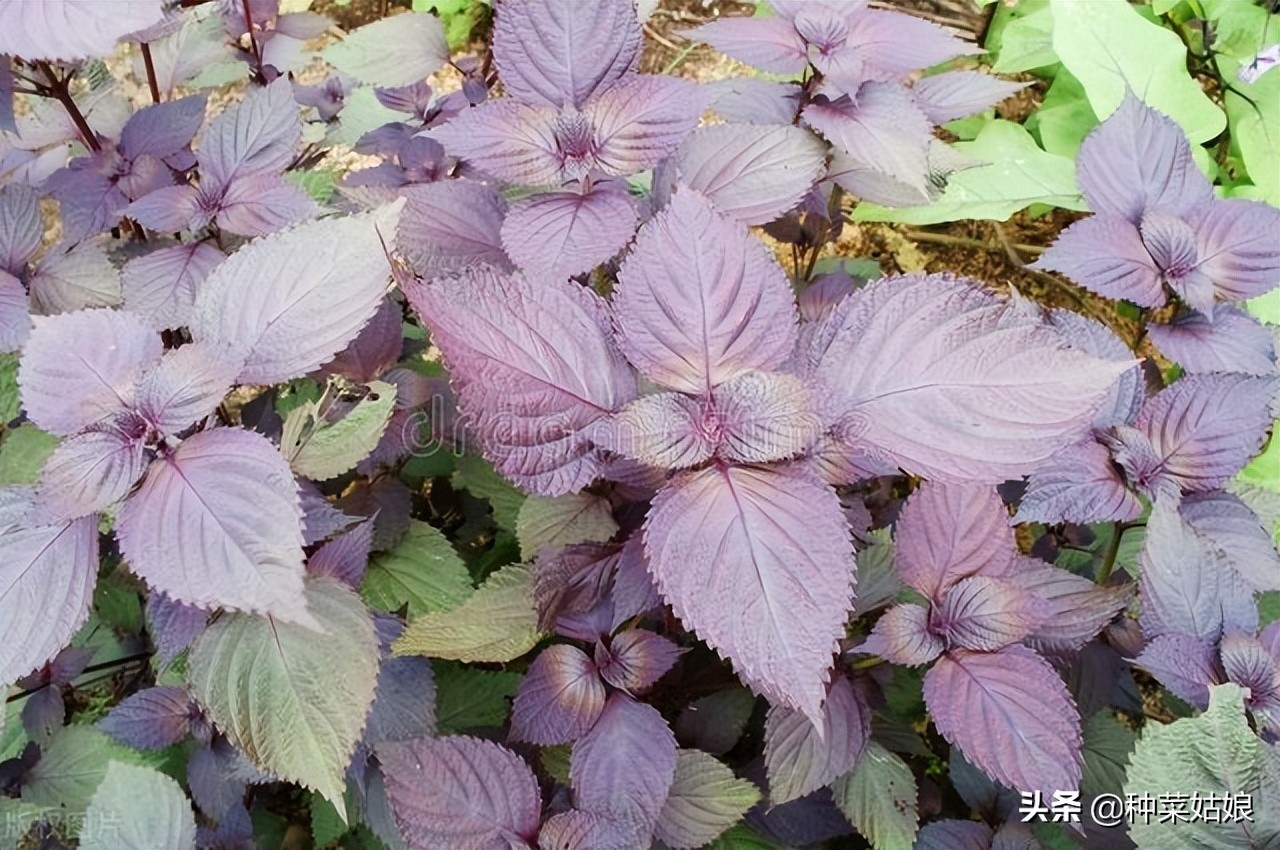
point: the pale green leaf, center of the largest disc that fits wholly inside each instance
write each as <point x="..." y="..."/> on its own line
<point x="1025" y="37"/>
<point x="705" y="800"/>
<point x="320" y="447"/>
<point x="294" y="700"/>
<point x="468" y="697"/>
<point x="879" y="798"/>
<point x="1107" y="745"/>
<point x="1064" y="118"/>
<point x="476" y="476"/>
<point x="23" y="451"/>
<point x="318" y="183"/>
<point x="394" y="51"/>
<point x="561" y="521"/>
<point x="1017" y="174"/>
<point x="137" y="808"/>
<point x="498" y="622"/>
<point x="1111" y="49"/>
<point x="10" y="403"/>
<point x="423" y="573"/>
<point x="71" y="768"/>
<point x="361" y="112"/>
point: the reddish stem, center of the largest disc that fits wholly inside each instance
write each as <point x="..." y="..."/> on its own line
<point x="151" y="73"/>
<point x="59" y="89"/>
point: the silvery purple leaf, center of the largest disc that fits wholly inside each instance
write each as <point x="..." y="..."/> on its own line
<point x="1073" y="609"/>
<point x="625" y="765"/>
<point x="374" y="350"/>
<point x="1093" y="337"/>
<point x="642" y="119"/>
<point x="47" y="575"/>
<point x="752" y="174"/>
<point x="346" y="556"/>
<point x="1143" y="467"/>
<point x="1247" y="662"/>
<point x="902" y="635"/>
<point x="780" y="607"/>
<point x="93" y="469"/>
<point x="163" y="129"/>
<point x="699" y="301"/>
<point x="633" y="590"/>
<point x="80" y="368"/>
<point x="560" y="698"/>
<point x="535" y="366"/>
<point x="20" y="227"/>
<point x="1105" y="254"/>
<point x="173" y="626"/>
<point x="758" y="417"/>
<point x="1237" y="247"/>
<point x="6" y="96"/>
<point x="872" y="184"/>
<point x="802" y="756"/>
<point x="216" y="523"/>
<point x="954" y="835"/>
<point x="539" y="49"/>
<point x="188" y="384"/>
<point x="1079" y="484"/>
<point x="73" y="279"/>
<point x="258" y="204"/>
<point x="151" y="719"/>
<point x="1232" y="526"/>
<point x="452" y="226"/>
<point x="1172" y="244"/>
<point x="460" y="791"/>
<point x="68" y="664"/>
<point x="882" y="129"/>
<point x="954" y="94"/>
<point x="15" y="313"/>
<point x="771" y="44"/>
<point x="256" y="136"/>
<point x="748" y="100"/>
<point x="520" y="143"/>
<point x="1185" y="664"/>
<point x="949" y="532"/>
<point x="89" y="201"/>
<point x="986" y="614"/>
<point x="893" y="44"/>
<point x="69" y="30"/>
<point x="1139" y="160"/>
<point x="171" y="209"/>
<point x="561" y="234"/>
<point x="1225" y="339"/>
<point x="665" y="430"/>
<point x="1205" y="428"/>
<point x="414" y="99"/>
<point x="404" y="706"/>
<point x="161" y="286"/>
<point x="918" y="368"/>
<point x="1010" y="715"/>
<point x="634" y="659"/>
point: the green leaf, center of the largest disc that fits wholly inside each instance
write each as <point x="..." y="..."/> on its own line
<point x="562" y="521"/>
<point x="1111" y="48"/>
<point x="318" y="183"/>
<point x="117" y="604"/>
<point x="292" y="698"/>
<point x="475" y="475"/>
<point x="10" y="401"/>
<point x="1107" y="745"/>
<point x="496" y="623"/>
<point x="327" y="823"/>
<point x="742" y="838"/>
<point x="555" y="761"/>
<point x="1017" y="175"/>
<point x="423" y="573"/>
<point x="137" y="808"/>
<point x="361" y="112"/>
<point x="1065" y="117"/>
<point x="469" y="698"/>
<point x="879" y="798"/>
<point x="1215" y="753"/>
<point x="71" y="768"/>
<point x="321" y="447"/>
<point x="1022" y="37"/>
<point x="23" y="451"/>
<point x="705" y="800"/>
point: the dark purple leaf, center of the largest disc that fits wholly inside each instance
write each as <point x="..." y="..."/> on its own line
<point x="346" y="556"/>
<point x="1226" y="339"/>
<point x="1172" y="244"/>
<point x="954" y="835"/>
<point x="1185" y="664"/>
<point x="1079" y="484"/>
<point x="404" y="706"/>
<point x="1247" y="663"/>
<point x="802" y="756"/>
<point x="561" y="234"/>
<point x="374" y="350"/>
<point x="151" y="719"/>
<point x="634" y="659"/>
<point x="163" y="129"/>
<point x="625" y="765"/>
<point x="560" y="697"/>
<point x="173" y="626"/>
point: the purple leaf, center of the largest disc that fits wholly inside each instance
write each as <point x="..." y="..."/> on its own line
<point x="69" y="30"/>
<point x="582" y="830"/>
<point x="89" y="201"/>
<point x="882" y="130"/>
<point x="699" y="301"/>
<point x="256" y="136"/>
<point x="151" y="719"/>
<point x="560" y="697"/>
<point x="218" y="775"/>
<point x="771" y="44"/>
<point x="81" y="367"/>
<point x="1233" y="527"/>
<point x="452" y="226"/>
<point x="954" y="94"/>
<point x="461" y="792"/>
<point x="519" y="143"/>
<point x="173" y="626"/>
<point x="374" y="350"/>
<point x="539" y="49"/>
<point x="320" y="519"/>
<point x="20" y="226"/>
<point x="1246" y="662"/>
<point x="1010" y="715"/>
<point x="902" y="636"/>
<point x="47" y="574"/>
<point x="163" y="129"/>
<point x="752" y="174"/>
<point x="216" y="523"/>
<point x="954" y="835"/>
<point x="625" y="765"/>
<point x="642" y="119"/>
<point x="6" y="96"/>
<point x="161" y="286"/>
<point x="949" y="532"/>
<point x="43" y="714"/>
<point x="664" y="430"/>
<point x="289" y="302"/>
<point x="1093" y="337"/>
<point x="1138" y="160"/>
<point x="986" y="614"/>
<point x="169" y="209"/>
<point x="93" y="469"/>
<point x="1172" y="244"/>
<point x="258" y="204"/>
<point x="1185" y="664"/>
<point x="15" y="313"/>
<point x="781" y="601"/>
<point x="1225" y="339"/>
<point x="748" y="100"/>
<point x="1073" y="609"/>
<point x="1237" y="247"/>
<point x="1079" y="484"/>
<point x="762" y="416"/>
<point x="404" y="706"/>
<point x="802" y="756"/>
<point x="535" y="366"/>
<point x="74" y="279"/>
<point x="635" y="659"/>
<point x="893" y="44"/>
<point x="561" y="234"/>
<point x="918" y="367"/>
<point x="1205" y="428"/>
<point x="1105" y="254"/>
<point x="187" y="385"/>
<point x="346" y="556"/>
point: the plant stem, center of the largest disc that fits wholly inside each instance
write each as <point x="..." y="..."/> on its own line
<point x="253" y="42"/>
<point x="92" y="668"/>
<point x="1113" y="549"/>
<point x="152" y="83"/>
<point x="61" y="91"/>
